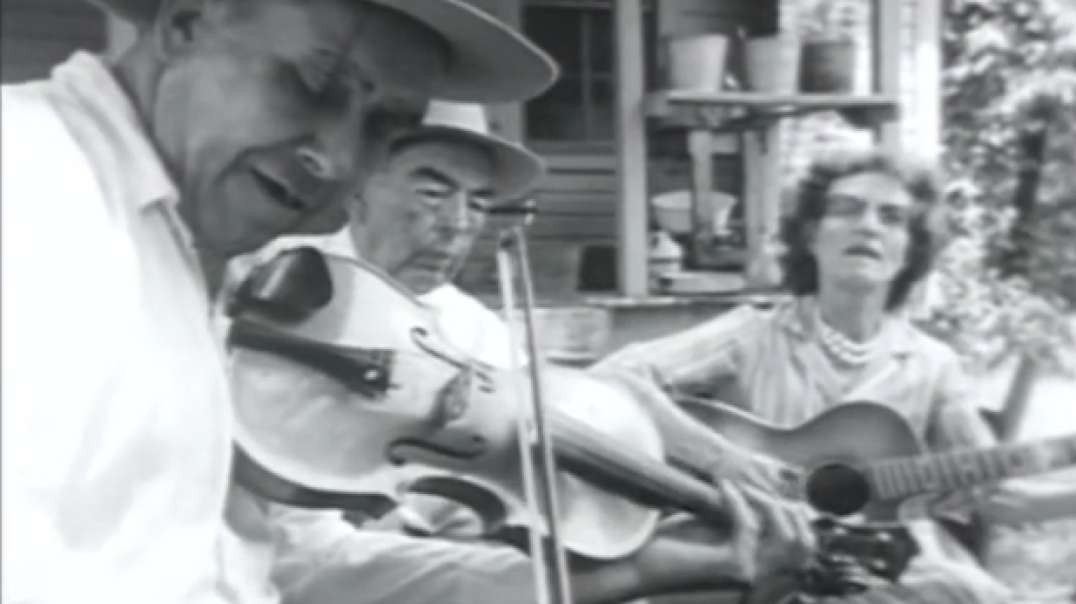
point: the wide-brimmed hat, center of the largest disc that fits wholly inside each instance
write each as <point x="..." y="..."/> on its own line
<point x="516" y="168"/>
<point x="490" y="62"/>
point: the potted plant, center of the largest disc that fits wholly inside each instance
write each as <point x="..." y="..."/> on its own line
<point x="827" y="57"/>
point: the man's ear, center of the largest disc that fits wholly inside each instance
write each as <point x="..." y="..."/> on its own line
<point x="180" y="24"/>
<point x="356" y="209"/>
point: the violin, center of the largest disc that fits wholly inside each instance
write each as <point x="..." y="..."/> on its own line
<point x="346" y="396"/>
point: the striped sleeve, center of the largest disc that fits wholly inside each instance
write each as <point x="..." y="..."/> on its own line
<point x="693" y="360"/>
<point x="956" y="421"/>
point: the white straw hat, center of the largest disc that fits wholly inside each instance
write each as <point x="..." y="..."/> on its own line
<point x="490" y="62"/>
<point x="516" y="167"/>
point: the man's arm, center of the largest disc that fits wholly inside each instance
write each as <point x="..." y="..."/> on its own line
<point x="324" y="560"/>
<point x="58" y="353"/>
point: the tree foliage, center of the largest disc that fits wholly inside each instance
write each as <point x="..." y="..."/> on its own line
<point x="1008" y="280"/>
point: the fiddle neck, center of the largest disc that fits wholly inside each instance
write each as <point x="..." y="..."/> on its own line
<point x="607" y="463"/>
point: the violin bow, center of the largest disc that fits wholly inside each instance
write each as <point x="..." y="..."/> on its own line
<point x="532" y="424"/>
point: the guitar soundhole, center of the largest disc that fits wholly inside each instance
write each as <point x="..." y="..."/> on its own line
<point x="837" y="489"/>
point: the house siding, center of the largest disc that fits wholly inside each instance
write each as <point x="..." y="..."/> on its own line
<point x="577" y="200"/>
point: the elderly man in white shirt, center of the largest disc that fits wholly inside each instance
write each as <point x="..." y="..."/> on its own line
<point x="416" y="218"/>
<point x="126" y="187"/>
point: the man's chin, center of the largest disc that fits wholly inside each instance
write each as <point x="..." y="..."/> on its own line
<point x="864" y="281"/>
<point x="229" y="247"/>
<point x="421" y="282"/>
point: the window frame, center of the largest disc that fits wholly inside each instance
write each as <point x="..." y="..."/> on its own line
<point x="587" y="75"/>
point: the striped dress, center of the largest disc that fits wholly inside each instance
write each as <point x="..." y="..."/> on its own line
<point x="771" y="362"/>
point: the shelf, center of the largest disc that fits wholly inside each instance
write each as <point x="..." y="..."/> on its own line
<point x="756" y="297"/>
<point x="736" y="111"/>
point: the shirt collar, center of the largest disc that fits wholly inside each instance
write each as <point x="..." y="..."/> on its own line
<point x="796" y="316"/>
<point x="91" y="84"/>
<point x="110" y="128"/>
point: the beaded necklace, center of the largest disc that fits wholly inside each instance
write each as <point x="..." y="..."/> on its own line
<point x="841" y="346"/>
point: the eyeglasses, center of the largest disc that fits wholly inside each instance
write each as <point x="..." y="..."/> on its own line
<point x="442" y="202"/>
<point x="849" y="206"/>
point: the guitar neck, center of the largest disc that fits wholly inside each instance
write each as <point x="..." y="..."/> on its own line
<point x="907" y="476"/>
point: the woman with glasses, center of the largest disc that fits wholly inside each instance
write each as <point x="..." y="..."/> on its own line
<point x="856" y="242"/>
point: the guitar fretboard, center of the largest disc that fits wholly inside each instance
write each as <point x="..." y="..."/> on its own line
<point x="906" y="476"/>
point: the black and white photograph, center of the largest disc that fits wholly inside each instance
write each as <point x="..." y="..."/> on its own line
<point x="538" y="301"/>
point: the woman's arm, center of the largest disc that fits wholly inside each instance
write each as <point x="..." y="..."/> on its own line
<point x="692" y="361"/>
<point x="1028" y="501"/>
<point x="958" y="424"/>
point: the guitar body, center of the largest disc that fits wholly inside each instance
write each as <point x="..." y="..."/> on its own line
<point x="834" y="449"/>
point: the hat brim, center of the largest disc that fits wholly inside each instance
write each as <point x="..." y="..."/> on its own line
<point x="490" y="62"/>
<point x="517" y="169"/>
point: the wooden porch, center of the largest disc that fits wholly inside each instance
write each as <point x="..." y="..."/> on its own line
<point x="616" y="152"/>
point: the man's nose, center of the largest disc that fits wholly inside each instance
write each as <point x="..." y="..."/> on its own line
<point x="332" y="155"/>
<point x="317" y="163"/>
<point x="457" y="215"/>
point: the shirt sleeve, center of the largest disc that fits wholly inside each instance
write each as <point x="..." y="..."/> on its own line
<point x="695" y="360"/>
<point x="323" y="559"/>
<point x="956" y="422"/>
<point x="58" y="353"/>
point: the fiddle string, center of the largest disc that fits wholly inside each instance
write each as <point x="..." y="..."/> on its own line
<point x="524" y="432"/>
<point x="516" y="238"/>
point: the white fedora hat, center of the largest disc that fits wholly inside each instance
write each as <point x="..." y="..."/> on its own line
<point x="490" y="63"/>
<point x="516" y="168"/>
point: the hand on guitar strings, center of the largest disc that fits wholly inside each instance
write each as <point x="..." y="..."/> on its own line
<point x="764" y="539"/>
<point x="766" y="475"/>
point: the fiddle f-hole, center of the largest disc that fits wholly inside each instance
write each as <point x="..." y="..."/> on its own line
<point x="837" y="489"/>
<point x="478" y="501"/>
<point x="422" y="338"/>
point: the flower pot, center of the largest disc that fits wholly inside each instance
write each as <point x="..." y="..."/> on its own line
<point x="827" y="66"/>
<point x="697" y="62"/>
<point x="772" y="63"/>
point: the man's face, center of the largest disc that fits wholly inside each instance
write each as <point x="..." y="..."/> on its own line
<point x="258" y="105"/>
<point x="420" y="213"/>
<point x="862" y="240"/>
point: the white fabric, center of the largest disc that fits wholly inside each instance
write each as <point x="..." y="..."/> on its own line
<point x="465" y="322"/>
<point x="116" y="423"/>
<point x="318" y="557"/>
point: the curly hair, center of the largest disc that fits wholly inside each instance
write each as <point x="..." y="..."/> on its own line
<point x="797" y="228"/>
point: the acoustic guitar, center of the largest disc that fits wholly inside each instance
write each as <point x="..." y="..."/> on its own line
<point x="864" y="458"/>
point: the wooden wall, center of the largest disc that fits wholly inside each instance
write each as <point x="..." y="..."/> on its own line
<point x="573" y="237"/>
<point x="38" y="34"/>
<point x="576" y="205"/>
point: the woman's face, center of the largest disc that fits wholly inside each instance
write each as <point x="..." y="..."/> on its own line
<point x="862" y="239"/>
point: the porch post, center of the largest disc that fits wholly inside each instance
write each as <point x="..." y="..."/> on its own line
<point x="926" y="110"/>
<point x="887" y="31"/>
<point x="631" y="149"/>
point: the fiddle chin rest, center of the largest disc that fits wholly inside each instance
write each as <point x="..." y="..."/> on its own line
<point x="289" y="288"/>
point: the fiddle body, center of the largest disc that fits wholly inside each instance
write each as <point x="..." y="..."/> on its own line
<point x="335" y="409"/>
